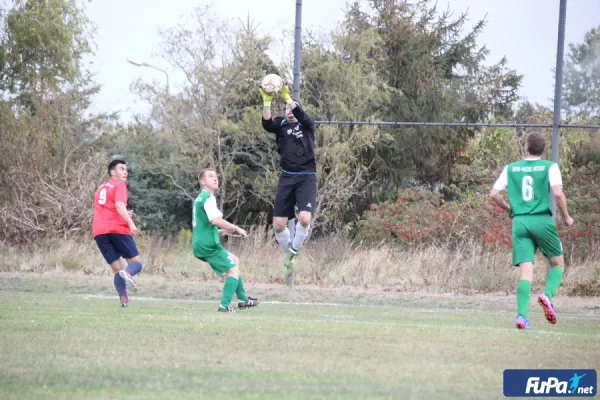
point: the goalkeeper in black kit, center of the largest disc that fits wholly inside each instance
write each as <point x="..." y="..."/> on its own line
<point x="297" y="186"/>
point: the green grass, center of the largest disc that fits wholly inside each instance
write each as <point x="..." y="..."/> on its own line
<point x="54" y="344"/>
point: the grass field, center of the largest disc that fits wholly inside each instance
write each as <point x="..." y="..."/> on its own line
<point x="67" y="338"/>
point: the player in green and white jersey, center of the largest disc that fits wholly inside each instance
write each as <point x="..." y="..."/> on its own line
<point x="529" y="183"/>
<point x="206" y="243"/>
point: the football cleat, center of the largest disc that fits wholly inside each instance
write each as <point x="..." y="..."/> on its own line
<point x="546" y="304"/>
<point x="129" y="281"/>
<point x="251" y="302"/>
<point x="522" y="323"/>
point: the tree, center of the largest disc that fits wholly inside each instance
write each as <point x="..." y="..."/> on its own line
<point x="215" y="122"/>
<point x="41" y="45"/>
<point x="436" y="73"/>
<point x="50" y="165"/>
<point x="581" y="97"/>
<point x="401" y="62"/>
<point x="341" y="83"/>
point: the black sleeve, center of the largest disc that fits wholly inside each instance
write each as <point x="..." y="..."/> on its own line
<point x="272" y="125"/>
<point x="302" y="117"/>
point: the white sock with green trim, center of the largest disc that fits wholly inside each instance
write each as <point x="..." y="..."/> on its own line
<point x="283" y="238"/>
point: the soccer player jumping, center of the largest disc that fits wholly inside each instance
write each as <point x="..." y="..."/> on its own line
<point x="528" y="183"/>
<point x="113" y="228"/>
<point x="206" y="244"/>
<point x="297" y="186"/>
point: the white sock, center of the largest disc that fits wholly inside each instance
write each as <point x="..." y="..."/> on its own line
<point x="292" y="228"/>
<point x="283" y="238"/>
<point x="301" y="234"/>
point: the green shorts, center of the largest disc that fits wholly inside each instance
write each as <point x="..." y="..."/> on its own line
<point x="532" y="232"/>
<point x="220" y="261"/>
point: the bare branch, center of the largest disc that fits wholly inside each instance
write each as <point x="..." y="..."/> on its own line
<point x="181" y="188"/>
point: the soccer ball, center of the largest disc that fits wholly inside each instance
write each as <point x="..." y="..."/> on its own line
<point x="272" y="83"/>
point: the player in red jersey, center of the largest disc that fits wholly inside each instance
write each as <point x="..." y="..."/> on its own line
<point x="113" y="228"/>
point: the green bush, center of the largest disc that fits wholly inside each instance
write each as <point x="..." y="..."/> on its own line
<point x="421" y="217"/>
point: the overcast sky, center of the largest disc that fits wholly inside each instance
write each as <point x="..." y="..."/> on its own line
<point x="523" y="30"/>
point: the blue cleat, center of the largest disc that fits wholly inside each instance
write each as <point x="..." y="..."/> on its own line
<point x="522" y="323"/>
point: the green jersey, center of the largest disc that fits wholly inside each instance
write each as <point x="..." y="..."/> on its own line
<point x="528" y="183"/>
<point x="205" y="235"/>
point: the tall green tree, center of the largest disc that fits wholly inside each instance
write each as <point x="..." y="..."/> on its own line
<point x="437" y="73"/>
<point x="41" y="46"/>
<point x="581" y="98"/>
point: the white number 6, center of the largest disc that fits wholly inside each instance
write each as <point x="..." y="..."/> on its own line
<point x="527" y="188"/>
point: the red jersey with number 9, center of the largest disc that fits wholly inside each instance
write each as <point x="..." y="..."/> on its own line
<point x="106" y="218"/>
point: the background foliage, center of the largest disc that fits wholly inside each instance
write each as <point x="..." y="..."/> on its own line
<point x="393" y="60"/>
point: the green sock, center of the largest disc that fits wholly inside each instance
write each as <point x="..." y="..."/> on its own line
<point x="523" y="294"/>
<point x="553" y="282"/>
<point x="240" y="291"/>
<point x="228" y="290"/>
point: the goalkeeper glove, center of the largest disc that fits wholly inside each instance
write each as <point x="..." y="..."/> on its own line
<point x="267" y="98"/>
<point x="285" y="94"/>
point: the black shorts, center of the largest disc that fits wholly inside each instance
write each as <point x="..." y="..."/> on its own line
<point x="295" y="190"/>
<point x="114" y="246"/>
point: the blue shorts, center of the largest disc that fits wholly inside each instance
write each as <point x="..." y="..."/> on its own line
<point x="114" y="245"/>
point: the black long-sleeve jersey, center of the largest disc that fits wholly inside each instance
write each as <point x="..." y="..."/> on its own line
<point x="295" y="141"/>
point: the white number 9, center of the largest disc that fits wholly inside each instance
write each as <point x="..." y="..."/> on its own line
<point x="102" y="196"/>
